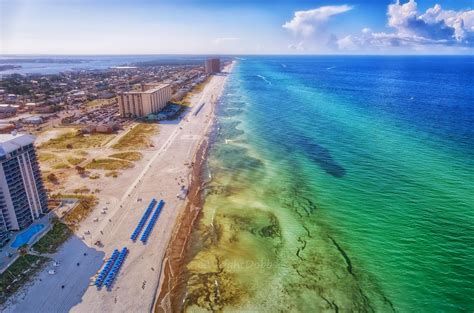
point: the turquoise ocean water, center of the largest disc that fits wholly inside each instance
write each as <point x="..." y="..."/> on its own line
<point x="340" y="183"/>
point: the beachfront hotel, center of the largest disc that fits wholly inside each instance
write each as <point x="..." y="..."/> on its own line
<point x="212" y="66"/>
<point x="22" y="195"/>
<point x="152" y="98"/>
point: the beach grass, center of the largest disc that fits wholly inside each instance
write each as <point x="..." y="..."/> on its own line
<point x="109" y="164"/>
<point x="75" y="140"/>
<point x="185" y="102"/>
<point x="53" y="239"/>
<point x="100" y="102"/>
<point x="94" y="176"/>
<point x="138" y="137"/>
<point x="60" y="166"/>
<point x="46" y="157"/>
<point x="128" y="156"/>
<point x="75" y="161"/>
<point x="113" y="174"/>
<point x="199" y="87"/>
<point x="86" y="203"/>
<point x="81" y="190"/>
<point x="19" y="273"/>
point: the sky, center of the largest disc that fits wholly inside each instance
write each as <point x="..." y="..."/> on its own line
<point x="236" y="27"/>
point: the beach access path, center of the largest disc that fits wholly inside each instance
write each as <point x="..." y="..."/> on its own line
<point x="160" y="176"/>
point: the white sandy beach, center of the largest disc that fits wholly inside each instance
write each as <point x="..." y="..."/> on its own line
<point x="155" y="176"/>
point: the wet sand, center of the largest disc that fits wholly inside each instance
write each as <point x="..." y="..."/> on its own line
<point x="172" y="283"/>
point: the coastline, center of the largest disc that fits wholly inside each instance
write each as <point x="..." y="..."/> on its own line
<point x="171" y="289"/>
<point x="173" y="273"/>
<point x="156" y="175"/>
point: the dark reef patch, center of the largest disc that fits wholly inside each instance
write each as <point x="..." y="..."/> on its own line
<point x="236" y="158"/>
<point x="213" y="290"/>
<point x="211" y="234"/>
<point x="344" y="255"/>
<point x="321" y="156"/>
<point x="295" y="200"/>
<point x="230" y="112"/>
<point x="272" y="230"/>
<point x="228" y="130"/>
<point x="263" y="224"/>
<point x="221" y="190"/>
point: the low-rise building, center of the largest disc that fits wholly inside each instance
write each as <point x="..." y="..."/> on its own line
<point x="30" y="106"/>
<point x="34" y="120"/>
<point x="7" y="110"/>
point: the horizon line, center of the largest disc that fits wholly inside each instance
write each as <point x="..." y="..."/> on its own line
<point x="236" y="55"/>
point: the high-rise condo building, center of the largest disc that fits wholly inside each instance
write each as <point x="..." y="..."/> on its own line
<point x="22" y="195"/>
<point x="152" y="98"/>
<point x="212" y="66"/>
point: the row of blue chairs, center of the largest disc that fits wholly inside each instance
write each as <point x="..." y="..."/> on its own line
<point x="143" y="220"/>
<point x="152" y="222"/>
<point x="115" y="269"/>
<point x="103" y="273"/>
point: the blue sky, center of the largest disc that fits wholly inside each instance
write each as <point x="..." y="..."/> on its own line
<point x="236" y="27"/>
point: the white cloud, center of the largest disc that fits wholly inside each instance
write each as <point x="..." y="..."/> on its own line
<point x="435" y="27"/>
<point x="461" y="21"/>
<point x="347" y="43"/>
<point x="305" y="22"/>
<point x="298" y="46"/>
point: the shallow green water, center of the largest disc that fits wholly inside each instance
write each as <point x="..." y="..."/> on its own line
<point x="326" y="195"/>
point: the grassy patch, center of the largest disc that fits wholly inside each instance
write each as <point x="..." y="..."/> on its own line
<point x="94" y="176"/>
<point x="185" y="102"/>
<point x="45" y="157"/>
<point x="60" y="166"/>
<point x="100" y="102"/>
<point x="55" y="237"/>
<point x="108" y="164"/>
<point x="129" y="156"/>
<point x="75" y="161"/>
<point x="85" y="206"/>
<point x="200" y="87"/>
<point x="113" y="174"/>
<point x="75" y="140"/>
<point x="19" y="273"/>
<point x="138" y="137"/>
<point x="81" y="190"/>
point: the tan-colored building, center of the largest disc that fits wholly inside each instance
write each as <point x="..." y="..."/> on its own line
<point x="212" y="66"/>
<point x="151" y="99"/>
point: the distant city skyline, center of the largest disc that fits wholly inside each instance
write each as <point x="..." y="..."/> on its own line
<point x="236" y="27"/>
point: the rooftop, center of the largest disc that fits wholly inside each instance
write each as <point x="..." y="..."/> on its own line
<point x="155" y="88"/>
<point x="11" y="142"/>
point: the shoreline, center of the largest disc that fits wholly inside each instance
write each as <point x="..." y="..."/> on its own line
<point x="156" y="175"/>
<point x="171" y="290"/>
<point x="171" y="287"/>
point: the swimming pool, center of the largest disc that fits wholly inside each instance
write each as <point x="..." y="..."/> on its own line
<point x="26" y="236"/>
